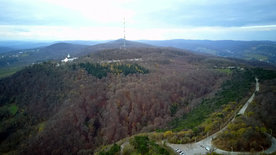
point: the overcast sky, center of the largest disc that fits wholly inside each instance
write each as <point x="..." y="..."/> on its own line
<point x="145" y="19"/>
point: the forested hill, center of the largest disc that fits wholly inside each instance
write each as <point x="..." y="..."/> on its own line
<point x="78" y="106"/>
<point x="58" y="51"/>
<point x="35" y="55"/>
<point x="62" y="108"/>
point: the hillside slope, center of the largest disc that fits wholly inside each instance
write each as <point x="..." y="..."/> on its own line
<point x="76" y="107"/>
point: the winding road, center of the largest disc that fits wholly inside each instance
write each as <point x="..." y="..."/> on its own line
<point x="202" y="146"/>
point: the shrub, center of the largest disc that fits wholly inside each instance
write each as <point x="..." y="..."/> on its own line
<point x="168" y="134"/>
<point x="112" y="151"/>
<point x="140" y="143"/>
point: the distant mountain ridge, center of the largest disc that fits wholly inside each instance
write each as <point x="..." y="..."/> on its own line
<point x="29" y="56"/>
<point x="119" y="44"/>
<point x="58" y="51"/>
<point x="5" y="49"/>
<point x="19" y="45"/>
<point x="264" y="51"/>
<point x="259" y="51"/>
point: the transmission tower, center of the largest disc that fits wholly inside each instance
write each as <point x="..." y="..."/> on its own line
<point x="124" y="34"/>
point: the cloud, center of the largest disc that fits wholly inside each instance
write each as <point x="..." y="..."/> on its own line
<point x="37" y="12"/>
<point x="213" y="13"/>
<point x="154" y="19"/>
<point x="15" y="32"/>
<point x="263" y="32"/>
<point x="103" y="11"/>
<point x="139" y="13"/>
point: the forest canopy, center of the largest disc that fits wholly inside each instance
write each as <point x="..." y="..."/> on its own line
<point x="101" y="70"/>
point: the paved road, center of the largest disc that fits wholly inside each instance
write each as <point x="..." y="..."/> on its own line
<point x="250" y="99"/>
<point x="196" y="148"/>
<point x="267" y="151"/>
<point x="123" y="146"/>
<point x="273" y="145"/>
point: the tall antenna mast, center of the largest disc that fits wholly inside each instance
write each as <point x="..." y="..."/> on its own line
<point x="124" y="33"/>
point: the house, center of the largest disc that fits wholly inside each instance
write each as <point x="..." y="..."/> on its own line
<point x="68" y="59"/>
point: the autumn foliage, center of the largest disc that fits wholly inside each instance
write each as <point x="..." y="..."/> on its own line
<point x="76" y="107"/>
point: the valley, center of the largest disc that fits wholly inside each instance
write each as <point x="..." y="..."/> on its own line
<point x="262" y="51"/>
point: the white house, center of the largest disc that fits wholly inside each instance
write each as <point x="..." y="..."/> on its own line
<point x="68" y="59"/>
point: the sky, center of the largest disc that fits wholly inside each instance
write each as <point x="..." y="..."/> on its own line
<point x="144" y="19"/>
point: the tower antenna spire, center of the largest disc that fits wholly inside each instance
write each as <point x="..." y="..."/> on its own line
<point x="124" y="33"/>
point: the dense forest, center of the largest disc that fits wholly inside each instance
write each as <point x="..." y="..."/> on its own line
<point x="59" y="108"/>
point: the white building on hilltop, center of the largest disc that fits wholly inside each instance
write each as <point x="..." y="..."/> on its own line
<point x="68" y="59"/>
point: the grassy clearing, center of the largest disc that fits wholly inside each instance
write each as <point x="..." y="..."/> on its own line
<point x="144" y="145"/>
<point x="5" y="72"/>
<point x="13" y="108"/>
<point x="225" y="70"/>
<point x="256" y="56"/>
<point x="41" y="126"/>
<point x="8" y="110"/>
